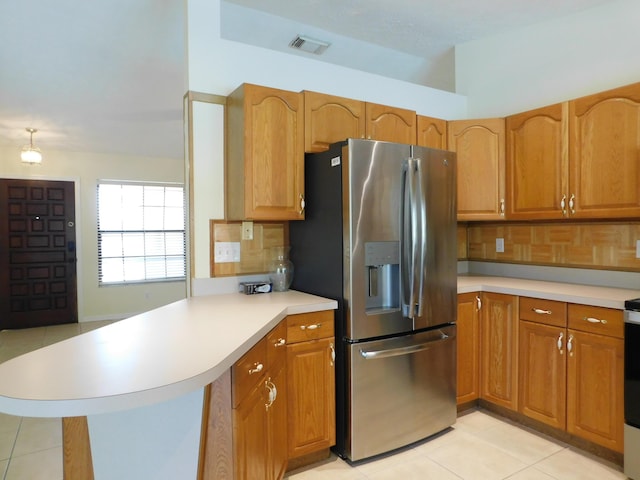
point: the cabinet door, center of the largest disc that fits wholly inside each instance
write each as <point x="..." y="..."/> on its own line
<point x="329" y="119"/>
<point x="311" y="396"/>
<point x="265" y="154"/>
<point x="277" y="425"/>
<point x="431" y="132"/>
<point x="605" y="154"/>
<point x="390" y="124"/>
<point x="499" y="349"/>
<point x="542" y="373"/>
<point x="537" y="163"/>
<point x="595" y="386"/>
<point x="479" y="145"/>
<point x="468" y="347"/>
<point x="250" y="436"/>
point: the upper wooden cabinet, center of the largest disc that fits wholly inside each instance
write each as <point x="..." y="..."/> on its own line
<point x="390" y="124"/>
<point x="604" y="175"/>
<point x="265" y="154"/>
<point x="479" y="145"/>
<point x="431" y="132"/>
<point x="537" y="160"/>
<point x="329" y="119"/>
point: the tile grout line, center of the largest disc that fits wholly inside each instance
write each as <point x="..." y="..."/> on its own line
<point x="15" y="441"/>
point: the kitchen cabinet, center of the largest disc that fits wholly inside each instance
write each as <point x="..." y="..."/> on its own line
<point x="571" y="369"/>
<point x="537" y="162"/>
<point x="431" y="132"/>
<point x="311" y="383"/>
<point x="468" y="347"/>
<point x="390" y="124"/>
<point x="604" y="154"/>
<point x="329" y="119"/>
<point x="480" y="149"/>
<point x="259" y="393"/>
<point x="499" y="349"/>
<point x="265" y="154"/>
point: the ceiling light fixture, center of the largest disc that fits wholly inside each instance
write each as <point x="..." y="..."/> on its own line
<point x="30" y="153"/>
<point x="310" y="45"/>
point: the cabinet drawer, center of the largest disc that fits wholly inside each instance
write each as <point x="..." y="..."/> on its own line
<point x="309" y="326"/>
<point x="548" y="312"/>
<point x="277" y="345"/>
<point x="604" y="321"/>
<point x="248" y="371"/>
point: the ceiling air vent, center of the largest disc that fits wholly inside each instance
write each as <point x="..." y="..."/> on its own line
<point x="310" y="45"/>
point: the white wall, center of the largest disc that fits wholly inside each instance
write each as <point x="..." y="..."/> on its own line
<point x="551" y="62"/>
<point x="113" y="302"/>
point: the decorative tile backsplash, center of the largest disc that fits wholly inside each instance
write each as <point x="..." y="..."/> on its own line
<point x="609" y="246"/>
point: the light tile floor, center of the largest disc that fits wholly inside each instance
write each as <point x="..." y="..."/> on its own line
<point x="480" y="446"/>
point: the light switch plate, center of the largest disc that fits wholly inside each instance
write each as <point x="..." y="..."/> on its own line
<point x="499" y="245"/>
<point x="227" y="252"/>
<point x="637" y="248"/>
<point x="247" y="230"/>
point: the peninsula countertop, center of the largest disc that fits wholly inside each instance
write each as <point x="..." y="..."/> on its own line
<point x="145" y="359"/>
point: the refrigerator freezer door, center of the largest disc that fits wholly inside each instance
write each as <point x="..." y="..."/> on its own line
<point x="402" y="390"/>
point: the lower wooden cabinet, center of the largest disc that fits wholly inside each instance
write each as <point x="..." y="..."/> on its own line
<point x="468" y="347"/>
<point x="499" y="349"/>
<point x="311" y="383"/>
<point x="571" y="369"/>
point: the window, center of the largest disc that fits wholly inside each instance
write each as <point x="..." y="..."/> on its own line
<point x="141" y="235"/>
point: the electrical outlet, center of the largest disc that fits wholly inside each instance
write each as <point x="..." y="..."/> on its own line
<point x="499" y="245"/>
<point x="247" y="230"/>
<point x="637" y="248"/>
<point x="227" y="252"/>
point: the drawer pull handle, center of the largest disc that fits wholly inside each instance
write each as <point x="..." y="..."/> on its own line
<point x="280" y="342"/>
<point x="539" y="311"/>
<point x="310" y="327"/>
<point x="257" y="368"/>
<point x="273" y="393"/>
<point x="570" y="346"/>
<point x="595" y="320"/>
<point x="333" y="355"/>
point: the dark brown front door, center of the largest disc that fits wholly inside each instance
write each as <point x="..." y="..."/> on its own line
<point x="37" y="253"/>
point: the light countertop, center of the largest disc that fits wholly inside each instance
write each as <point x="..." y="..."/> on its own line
<point x="145" y="359"/>
<point x="564" y="292"/>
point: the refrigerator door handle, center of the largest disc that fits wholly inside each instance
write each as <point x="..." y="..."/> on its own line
<point x="408" y="236"/>
<point x="393" y="352"/>
<point x="420" y="205"/>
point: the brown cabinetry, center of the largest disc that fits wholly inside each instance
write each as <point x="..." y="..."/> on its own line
<point x="329" y="119"/>
<point x="265" y="154"/>
<point x="431" y="132"/>
<point x="571" y="369"/>
<point x="390" y="124"/>
<point x="604" y="156"/>
<point x="499" y="349"/>
<point x="468" y="347"/>
<point x="537" y="162"/>
<point x="259" y="397"/>
<point x="480" y="149"/>
<point x="311" y="383"/>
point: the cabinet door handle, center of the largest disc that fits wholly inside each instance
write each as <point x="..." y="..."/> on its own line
<point x="302" y="204"/>
<point x="257" y="368"/>
<point x="333" y="355"/>
<point x="570" y="346"/>
<point x="560" y="337"/>
<point x="502" y="207"/>
<point x="280" y="342"/>
<point x="310" y="327"/>
<point x="539" y="311"/>
<point x="595" y="320"/>
<point x="478" y="302"/>
<point x="563" y="204"/>
<point x="571" y="204"/>
<point x="273" y="393"/>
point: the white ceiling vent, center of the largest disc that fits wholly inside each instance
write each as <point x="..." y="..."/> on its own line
<point x="310" y="45"/>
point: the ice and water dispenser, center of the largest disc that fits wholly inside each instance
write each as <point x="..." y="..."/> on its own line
<point x="382" y="276"/>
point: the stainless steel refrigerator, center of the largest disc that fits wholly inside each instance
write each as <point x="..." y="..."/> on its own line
<point x="380" y="238"/>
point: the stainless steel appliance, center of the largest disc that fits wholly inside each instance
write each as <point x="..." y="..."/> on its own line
<point x="632" y="388"/>
<point x="380" y="238"/>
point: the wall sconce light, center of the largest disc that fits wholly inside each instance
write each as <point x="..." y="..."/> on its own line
<point x="30" y="153"/>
